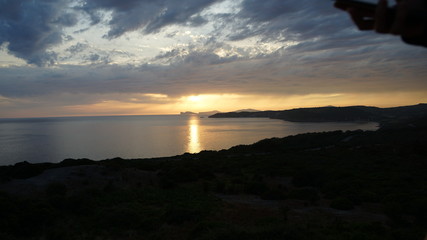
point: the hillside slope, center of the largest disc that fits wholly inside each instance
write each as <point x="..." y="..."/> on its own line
<point x="336" y="114"/>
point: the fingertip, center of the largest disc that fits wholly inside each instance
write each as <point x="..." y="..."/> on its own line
<point x="352" y="11"/>
<point x="398" y="26"/>
<point x="383" y="2"/>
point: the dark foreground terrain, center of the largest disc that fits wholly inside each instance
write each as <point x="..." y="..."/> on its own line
<point x="335" y="185"/>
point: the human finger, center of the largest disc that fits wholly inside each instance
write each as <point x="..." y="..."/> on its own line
<point x="381" y="24"/>
<point x="359" y="19"/>
<point x="341" y="6"/>
<point x="398" y="25"/>
<point x="345" y="6"/>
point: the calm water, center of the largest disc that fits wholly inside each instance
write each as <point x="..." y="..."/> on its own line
<point x="55" y="139"/>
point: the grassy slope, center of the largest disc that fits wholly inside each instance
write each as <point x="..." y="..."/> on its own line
<point x="336" y="185"/>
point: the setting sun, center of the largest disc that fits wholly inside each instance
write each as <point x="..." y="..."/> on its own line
<point x="194" y="98"/>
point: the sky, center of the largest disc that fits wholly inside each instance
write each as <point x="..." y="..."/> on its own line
<point x="145" y="57"/>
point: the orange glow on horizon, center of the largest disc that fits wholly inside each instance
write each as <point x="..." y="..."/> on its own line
<point x="163" y="104"/>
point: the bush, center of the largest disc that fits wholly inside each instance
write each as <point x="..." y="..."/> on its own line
<point x="308" y="194"/>
<point x="308" y="178"/>
<point x="273" y="194"/>
<point x="181" y="215"/>
<point x="56" y="189"/>
<point x="256" y="187"/>
<point x="342" y="204"/>
<point x="220" y="186"/>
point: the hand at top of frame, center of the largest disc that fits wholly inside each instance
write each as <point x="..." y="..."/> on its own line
<point x="408" y="19"/>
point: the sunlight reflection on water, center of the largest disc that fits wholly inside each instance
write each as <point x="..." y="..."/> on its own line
<point x="97" y="138"/>
<point x="193" y="135"/>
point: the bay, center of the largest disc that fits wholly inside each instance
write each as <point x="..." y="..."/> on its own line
<point x="55" y="139"/>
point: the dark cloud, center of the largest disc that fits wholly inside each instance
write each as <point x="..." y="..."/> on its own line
<point x="197" y="21"/>
<point x="300" y="47"/>
<point x="204" y="54"/>
<point x="77" y="48"/>
<point x="94" y="57"/>
<point x="261" y="11"/>
<point x="149" y="15"/>
<point x="67" y="20"/>
<point x="30" y="28"/>
<point x="278" y="20"/>
<point x="200" y="70"/>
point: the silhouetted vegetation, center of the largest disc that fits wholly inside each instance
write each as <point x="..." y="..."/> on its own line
<point x="334" y="185"/>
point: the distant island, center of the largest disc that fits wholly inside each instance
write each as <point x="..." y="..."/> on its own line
<point x="187" y="113"/>
<point x="201" y="114"/>
<point x="337" y="114"/>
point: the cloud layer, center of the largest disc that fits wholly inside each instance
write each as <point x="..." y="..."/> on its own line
<point x="246" y="47"/>
<point x="148" y="15"/>
<point x="30" y="28"/>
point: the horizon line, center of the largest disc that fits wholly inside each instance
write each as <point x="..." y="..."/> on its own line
<point x="196" y="113"/>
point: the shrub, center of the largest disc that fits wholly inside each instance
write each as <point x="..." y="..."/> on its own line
<point x="220" y="186"/>
<point x="342" y="204"/>
<point x="256" y="187"/>
<point x="308" y="178"/>
<point x="307" y="194"/>
<point x="181" y="215"/>
<point x="273" y="194"/>
<point x="56" y="189"/>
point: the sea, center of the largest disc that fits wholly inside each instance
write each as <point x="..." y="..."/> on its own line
<point x="37" y="140"/>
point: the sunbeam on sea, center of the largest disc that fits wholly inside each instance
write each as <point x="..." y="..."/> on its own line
<point x="54" y="139"/>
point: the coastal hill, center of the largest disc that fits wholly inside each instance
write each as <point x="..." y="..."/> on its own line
<point x="336" y="114"/>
